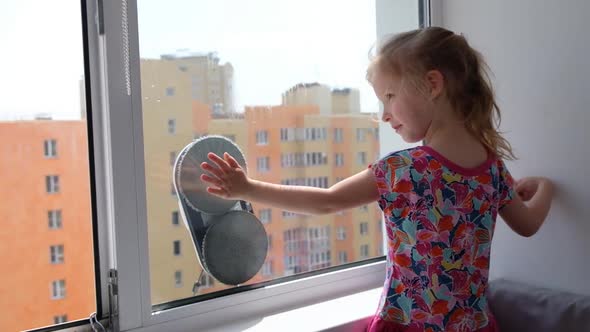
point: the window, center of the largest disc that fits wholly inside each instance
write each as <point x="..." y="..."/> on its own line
<point x="263" y="164"/>
<point x="364" y="228"/>
<point x="364" y="251"/>
<point x="45" y="169"/>
<point x="170" y="91"/>
<point x="50" y="148"/>
<point x="304" y="109"/>
<point x="338" y="135"/>
<point x="341" y="233"/>
<point x="364" y="208"/>
<point x="342" y="257"/>
<point x="175" y="218"/>
<point x="176" y="248"/>
<point x="178" y="278"/>
<point x="269" y="236"/>
<point x="58" y="289"/>
<point x="361" y="158"/>
<point x="54" y="219"/>
<point x="262" y="137"/>
<point x="172" y="158"/>
<point x="171" y="126"/>
<point x="207" y="281"/>
<point x="339" y="159"/>
<point x="267" y="268"/>
<point x="56" y="254"/>
<point x="52" y="184"/>
<point x="265" y="216"/>
<point x="360" y="134"/>
<point x="289" y="214"/>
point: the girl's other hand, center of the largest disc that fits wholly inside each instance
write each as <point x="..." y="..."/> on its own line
<point x="527" y="187"/>
<point x="226" y="177"/>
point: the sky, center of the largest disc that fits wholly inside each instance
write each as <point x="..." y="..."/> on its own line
<point x="272" y="45"/>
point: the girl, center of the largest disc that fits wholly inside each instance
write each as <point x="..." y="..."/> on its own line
<point x="440" y="200"/>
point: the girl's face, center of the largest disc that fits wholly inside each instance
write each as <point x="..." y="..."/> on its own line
<point x="407" y="111"/>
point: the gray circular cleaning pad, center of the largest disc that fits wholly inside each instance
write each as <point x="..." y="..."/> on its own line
<point x="188" y="172"/>
<point x="235" y="247"/>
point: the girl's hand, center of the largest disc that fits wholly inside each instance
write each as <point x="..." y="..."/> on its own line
<point x="226" y="177"/>
<point x="527" y="187"/>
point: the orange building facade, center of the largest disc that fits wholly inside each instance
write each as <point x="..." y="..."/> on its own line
<point x="46" y="235"/>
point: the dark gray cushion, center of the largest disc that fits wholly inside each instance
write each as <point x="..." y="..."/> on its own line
<point x="521" y="307"/>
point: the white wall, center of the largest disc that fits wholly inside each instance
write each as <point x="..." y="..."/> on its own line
<point x="393" y="16"/>
<point x="539" y="51"/>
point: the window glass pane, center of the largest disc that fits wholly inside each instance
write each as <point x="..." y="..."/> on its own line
<point x="286" y="81"/>
<point x="46" y="246"/>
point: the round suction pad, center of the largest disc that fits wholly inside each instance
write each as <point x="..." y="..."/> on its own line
<point x="235" y="247"/>
<point x="188" y="173"/>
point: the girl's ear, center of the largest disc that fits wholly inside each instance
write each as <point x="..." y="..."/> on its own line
<point x="435" y="83"/>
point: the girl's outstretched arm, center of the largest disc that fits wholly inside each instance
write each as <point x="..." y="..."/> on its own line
<point x="526" y="219"/>
<point x="227" y="179"/>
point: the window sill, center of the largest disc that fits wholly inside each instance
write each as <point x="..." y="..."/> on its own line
<point x="347" y="313"/>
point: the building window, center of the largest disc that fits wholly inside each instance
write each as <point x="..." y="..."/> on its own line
<point x="58" y="289"/>
<point x="269" y="236"/>
<point x="360" y="134"/>
<point x="364" y="227"/>
<point x="262" y="137"/>
<point x="364" y="251"/>
<point x="342" y="257"/>
<point x="56" y="254"/>
<point x="265" y="216"/>
<point x="50" y="148"/>
<point x="175" y="218"/>
<point x="289" y="214"/>
<point x="207" y="281"/>
<point x="267" y="269"/>
<point x="172" y="158"/>
<point x="170" y="91"/>
<point x="338" y="136"/>
<point x="52" y="184"/>
<point x="172" y="190"/>
<point x="54" y="219"/>
<point x="171" y="126"/>
<point x="339" y="159"/>
<point x="361" y="158"/>
<point x="178" y="278"/>
<point x="364" y="208"/>
<point x="341" y="233"/>
<point x="60" y="319"/>
<point x="263" y="164"/>
<point x="176" y="248"/>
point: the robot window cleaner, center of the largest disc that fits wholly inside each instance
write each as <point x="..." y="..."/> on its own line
<point x="230" y="242"/>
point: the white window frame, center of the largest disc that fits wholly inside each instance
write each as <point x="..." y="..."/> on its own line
<point x="364" y="228"/>
<point x="52" y="184"/>
<point x="341" y="233"/>
<point x="262" y="137"/>
<point x="338" y="135"/>
<point x="56" y="254"/>
<point x="263" y="164"/>
<point x="58" y="289"/>
<point x="54" y="219"/>
<point x="171" y="126"/>
<point x="178" y="278"/>
<point x="121" y="196"/>
<point x="50" y="148"/>
<point x="59" y="319"/>
<point x="265" y="216"/>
